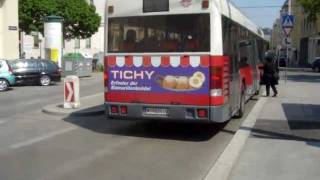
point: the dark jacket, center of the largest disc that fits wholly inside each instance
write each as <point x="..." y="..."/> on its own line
<point x="270" y="73"/>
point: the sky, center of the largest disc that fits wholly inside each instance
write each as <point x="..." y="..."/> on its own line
<point x="264" y="17"/>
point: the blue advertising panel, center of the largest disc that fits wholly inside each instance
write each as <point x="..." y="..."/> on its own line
<point x="159" y="79"/>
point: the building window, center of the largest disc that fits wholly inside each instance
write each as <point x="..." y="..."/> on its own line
<point x="88" y="43"/>
<point x="77" y="43"/>
<point x="36" y="41"/>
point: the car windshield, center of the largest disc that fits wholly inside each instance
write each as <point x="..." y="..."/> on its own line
<point x="168" y="33"/>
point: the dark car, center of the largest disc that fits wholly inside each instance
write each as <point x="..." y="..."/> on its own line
<point x="32" y="71"/>
<point x="316" y="65"/>
<point x="282" y="62"/>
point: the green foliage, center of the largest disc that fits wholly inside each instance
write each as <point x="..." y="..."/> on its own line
<point x="312" y="7"/>
<point x="31" y="13"/>
<point x="80" y="19"/>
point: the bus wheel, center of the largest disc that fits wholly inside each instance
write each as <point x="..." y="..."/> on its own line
<point x="258" y="91"/>
<point x="242" y="105"/>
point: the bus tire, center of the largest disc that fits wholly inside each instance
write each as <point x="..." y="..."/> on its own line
<point x="258" y="91"/>
<point x="242" y="106"/>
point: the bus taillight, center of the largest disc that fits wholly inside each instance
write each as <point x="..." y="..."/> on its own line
<point x="216" y="78"/>
<point x="105" y="76"/>
<point x="218" y="85"/>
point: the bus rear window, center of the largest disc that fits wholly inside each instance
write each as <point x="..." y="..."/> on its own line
<point x="165" y="33"/>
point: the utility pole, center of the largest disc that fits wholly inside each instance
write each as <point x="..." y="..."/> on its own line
<point x="287" y="26"/>
<point x="288" y="54"/>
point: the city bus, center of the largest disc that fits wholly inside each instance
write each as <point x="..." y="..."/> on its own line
<point x="180" y="60"/>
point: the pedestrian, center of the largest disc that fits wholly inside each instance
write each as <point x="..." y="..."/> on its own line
<point x="270" y="75"/>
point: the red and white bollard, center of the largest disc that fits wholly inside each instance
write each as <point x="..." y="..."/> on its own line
<point x="71" y="92"/>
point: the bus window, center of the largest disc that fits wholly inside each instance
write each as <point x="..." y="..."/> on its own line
<point x="166" y="33"/>
<point x="244" y="50"/>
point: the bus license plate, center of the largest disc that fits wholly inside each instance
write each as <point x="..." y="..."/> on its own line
<point x="156" y="112"/>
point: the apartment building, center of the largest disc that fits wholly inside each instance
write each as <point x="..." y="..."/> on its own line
<point x="305" y="36"/>
<point x="277" y="35"/>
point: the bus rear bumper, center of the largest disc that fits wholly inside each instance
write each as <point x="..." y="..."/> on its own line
<point x="134" y="111"/>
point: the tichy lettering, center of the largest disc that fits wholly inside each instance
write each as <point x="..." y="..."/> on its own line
<point x="132" y="75"/>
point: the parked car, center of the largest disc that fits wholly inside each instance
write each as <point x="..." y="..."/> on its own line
<point x="7" y="78"/>
<point x="282" y="62"/>
<point x="316" y="65"/>
<point x="32" y="71"/>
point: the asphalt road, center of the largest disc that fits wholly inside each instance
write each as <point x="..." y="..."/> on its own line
<point x="23" y="99"/>
<point x="37" y="146"/>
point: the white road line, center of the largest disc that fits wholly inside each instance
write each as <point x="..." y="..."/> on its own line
<point x="41" y="138"/>
<point x="223" y="167"/>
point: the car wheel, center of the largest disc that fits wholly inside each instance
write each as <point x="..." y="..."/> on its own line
<point x="4" y="85"/>
<point x="45" y="80"/>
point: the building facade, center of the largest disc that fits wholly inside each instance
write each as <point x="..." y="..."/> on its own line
<point x="9" y="29"/>
<point x="305" y="36"/>
<point x="33" y="44"/>
<point x="277" y="35"/>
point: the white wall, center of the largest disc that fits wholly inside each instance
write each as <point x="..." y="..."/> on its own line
<point x="9" y="39"/>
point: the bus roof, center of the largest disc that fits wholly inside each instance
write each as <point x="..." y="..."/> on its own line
<point x="124" y="8"/>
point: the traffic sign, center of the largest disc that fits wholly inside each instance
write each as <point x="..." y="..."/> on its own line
<point x="69" y="92"/>
<point x="287" y="31"/>
<point x="287" y="24"/>
<point x="287" y="21"/>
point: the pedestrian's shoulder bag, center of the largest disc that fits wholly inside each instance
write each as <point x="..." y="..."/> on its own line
<point x="276" y="75"/>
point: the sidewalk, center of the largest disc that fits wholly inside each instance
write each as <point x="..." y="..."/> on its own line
<point x="285" y="141"/>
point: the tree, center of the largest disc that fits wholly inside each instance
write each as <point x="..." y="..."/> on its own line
<point x="31" y="13"/>
<point x="80" y="19"/>
<point x="312" y="7"/>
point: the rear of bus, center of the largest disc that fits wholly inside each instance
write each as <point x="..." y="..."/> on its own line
<point x="160" y="65"/>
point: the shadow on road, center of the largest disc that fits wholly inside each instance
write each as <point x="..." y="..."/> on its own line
<point x="311" y="78"/>
<point x="302" y="116"/>
<point x="148" y="129"/>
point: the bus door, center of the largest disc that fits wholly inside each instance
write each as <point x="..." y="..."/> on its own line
<point x="255" y="63"/>
<point x="246" y="65"/>
<point x="234" y="84"/>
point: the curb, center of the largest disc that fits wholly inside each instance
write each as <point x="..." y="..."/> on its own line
<point x="222" y="168"/>
<point x="57" y="110"/>
<point x="296" y="69"/>
<point x="53" y="110"/>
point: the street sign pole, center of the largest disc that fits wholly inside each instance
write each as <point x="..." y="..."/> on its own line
<point x="287" y="63"/>
<point x="287" y="26"/>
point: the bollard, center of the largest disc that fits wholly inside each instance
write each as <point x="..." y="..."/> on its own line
<point x="71" y="92"/>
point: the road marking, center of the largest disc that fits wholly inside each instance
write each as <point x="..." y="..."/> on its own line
<point x="222" y="168"/>
<point x="41" y="138"/>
